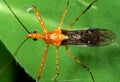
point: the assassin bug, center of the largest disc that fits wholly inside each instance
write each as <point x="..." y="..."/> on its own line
<point x="59" y="37"/>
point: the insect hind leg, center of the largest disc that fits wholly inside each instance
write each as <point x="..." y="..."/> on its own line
<point x="73" y="23"/>
<point x="79" y="62"/>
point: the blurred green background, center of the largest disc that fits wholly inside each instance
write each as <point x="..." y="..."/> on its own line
<point x="6" y="72"/>
<point x="103" y="61"/>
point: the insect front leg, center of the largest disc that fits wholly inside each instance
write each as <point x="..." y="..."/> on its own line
<point x="42" y="63"/>
<point x="79" y="62"/>
<point x="38" y="16"/>
<point x="57" y="66"/>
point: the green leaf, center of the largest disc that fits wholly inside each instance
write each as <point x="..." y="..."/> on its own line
<point x="103" y="61"/>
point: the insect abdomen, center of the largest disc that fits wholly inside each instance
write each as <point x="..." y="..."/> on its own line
<point x="90" y="37"/>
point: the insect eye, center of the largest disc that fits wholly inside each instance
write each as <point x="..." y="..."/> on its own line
<point x="34" y="39"/>
<point x="34" y="31"/>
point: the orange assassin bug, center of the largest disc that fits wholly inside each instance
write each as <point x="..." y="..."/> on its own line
<point x="59" y="37"/>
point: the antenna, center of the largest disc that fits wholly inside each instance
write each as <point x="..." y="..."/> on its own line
<point x="16" y="17"/>
<point x="11" y="60"/>
<point x="5" y="67"/>
<point x="20" y="46"/>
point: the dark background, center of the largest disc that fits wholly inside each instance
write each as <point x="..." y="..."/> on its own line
<point x="20" y="75"/>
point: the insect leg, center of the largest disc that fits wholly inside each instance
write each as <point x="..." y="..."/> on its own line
<point x="42" y="63"/>
<point x="64" y="14"/>
<point x="79" y="62"/>
<point x="39" y="17"/>
<point x="57" y="66"/>
<point x="81" y="14"/>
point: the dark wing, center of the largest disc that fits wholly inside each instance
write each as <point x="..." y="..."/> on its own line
<point x="89" y="37"/>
